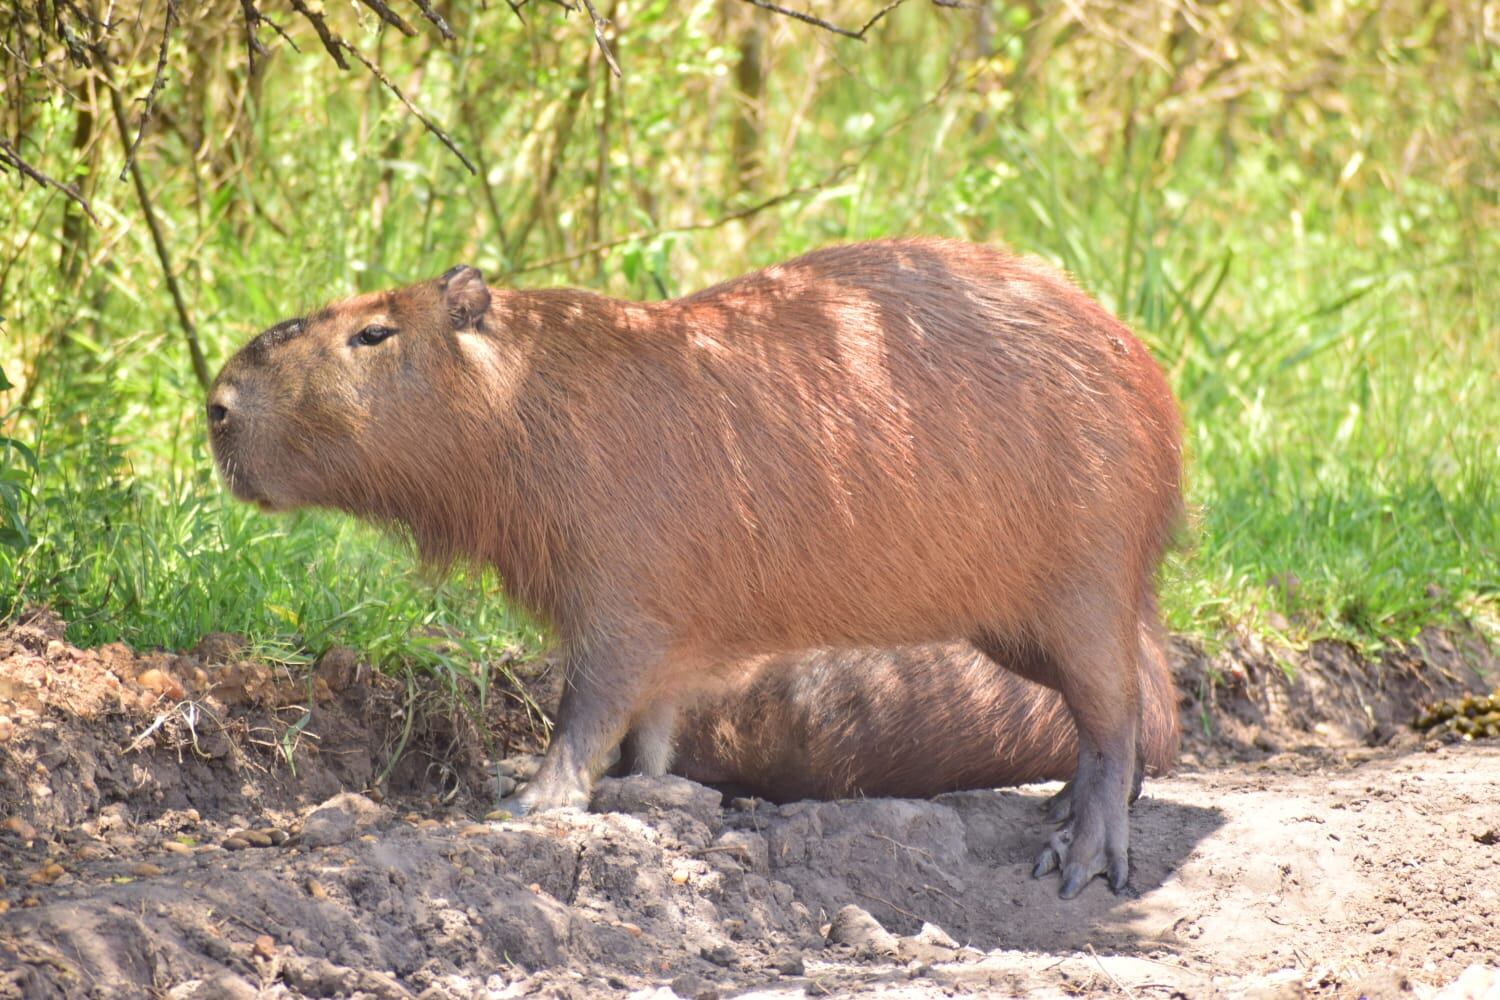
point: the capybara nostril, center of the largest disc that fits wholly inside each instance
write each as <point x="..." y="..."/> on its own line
<point x="220" y="401"/>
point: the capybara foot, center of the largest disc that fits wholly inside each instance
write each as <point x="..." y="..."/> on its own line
<point x="543" y="795"/>
<point x="1081" y="857"/>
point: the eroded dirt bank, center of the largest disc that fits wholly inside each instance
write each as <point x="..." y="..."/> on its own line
<point x="1311" y="844"/>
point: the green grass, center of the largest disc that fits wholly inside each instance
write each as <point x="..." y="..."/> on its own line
<point x="1327" y="304"/>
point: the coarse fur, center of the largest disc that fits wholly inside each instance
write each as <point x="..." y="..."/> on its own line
<point x="872" y="445"/>
<point x="914" y="721"/>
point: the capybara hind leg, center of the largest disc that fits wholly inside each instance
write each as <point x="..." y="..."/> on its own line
<point x="1059" y="805"/>
<point x="1098" y="679"/>
<point x="599" y="696"/>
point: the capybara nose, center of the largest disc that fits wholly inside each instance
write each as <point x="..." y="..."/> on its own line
<point x="219" y="405"/>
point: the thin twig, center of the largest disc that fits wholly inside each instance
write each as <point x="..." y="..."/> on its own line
<point x="9" y="156"/>
<point x="818" y="22"/>
<point x="189" y="330"/>
<point x="390" y="17"/>
<point x="331" y="42"/>
<point x="253" y="17"/>
<point x="1118" y="985"/>
<point x="431" y="126"/>
<point x="437" y="19"/>
<point x="599" y="25"/>
<point x="156" y="83"/>
<point x="723" y="220"/>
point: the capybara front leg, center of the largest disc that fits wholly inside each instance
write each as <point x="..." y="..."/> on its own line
<point x="599" y="698"/>
<point x="1099" y="682"/>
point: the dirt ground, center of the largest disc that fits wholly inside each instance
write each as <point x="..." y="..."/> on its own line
<point x="200" y="825"/>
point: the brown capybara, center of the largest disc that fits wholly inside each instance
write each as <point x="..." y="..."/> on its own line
<point x="915" y="721"/>
<point x="872" y="445"/>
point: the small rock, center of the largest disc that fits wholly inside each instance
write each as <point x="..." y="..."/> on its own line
<point x="176" y="847"/>
<point x="337" y="668"/>
<point x="743" y="804"/>
<point x="747" y="847"/>
<point x="20" y="828"/>
<point x="160" y="683"/>
<point x="47" y="874"/>
<point x="641" y="794"/>
<point x="337" y="820"/>
<point x="265" y="947"/>
<point x="255" y="838"/>
<point x="854" y="927"/>
<point x="145" y="869"/>
<point x="719" y="954"/>
<point x="315" y="889"/>
<point x="7" y="729"/>
<point x="691" y="986"/>
<point x="505" y="786"/>
<point x="224" y="986"/>
<point x="934" y="935"/>
<point x="235" y="843"/>
<point x="930" y="944"/>
<point x="790" y="965"/>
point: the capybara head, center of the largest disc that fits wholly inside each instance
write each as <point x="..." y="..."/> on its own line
<point x="329" y="409"/>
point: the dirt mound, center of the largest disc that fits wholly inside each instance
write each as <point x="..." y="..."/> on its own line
<point x="1311" y="845"/>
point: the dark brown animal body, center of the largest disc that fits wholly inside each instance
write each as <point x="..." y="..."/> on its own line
<point x="873" y="445"/>
<point x="912" y="722"/>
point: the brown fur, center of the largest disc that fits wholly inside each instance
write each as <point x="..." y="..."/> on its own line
<point x="872" y="445"/>
<point x="916" y="721"/>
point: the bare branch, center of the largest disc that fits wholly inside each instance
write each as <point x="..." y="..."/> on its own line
<point x="599" y="25"/>
<point x="390" y="17"/>
<point x="691" y="227"/>
<point x="437" y="19"/>
<point x="11" y="157"/>
<point x="189" y="329"/>
<point x="282" y="32"/>
<point x="818" y="22"/>
<point x="431" y="126"/>
<point x="253" y="47"/>
<point x="156" y="83"/>
<point x="333" y="43"/>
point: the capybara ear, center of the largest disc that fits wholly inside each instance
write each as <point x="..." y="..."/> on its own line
<point x="465" y="295"/>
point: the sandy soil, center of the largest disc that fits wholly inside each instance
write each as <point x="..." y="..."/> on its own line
<point x="198" y="832"/>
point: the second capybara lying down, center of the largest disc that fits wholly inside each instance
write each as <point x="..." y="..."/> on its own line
<point x="913" y="721"/>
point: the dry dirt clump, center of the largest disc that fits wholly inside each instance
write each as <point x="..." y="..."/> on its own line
<point x="1313" y="845"/>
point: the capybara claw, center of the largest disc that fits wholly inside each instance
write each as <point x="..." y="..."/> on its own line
<point x="542" y="796"/>
<point x="1119" y="876"/>
<point x="1075" y="877"/>
<point x="1046" y="863"/>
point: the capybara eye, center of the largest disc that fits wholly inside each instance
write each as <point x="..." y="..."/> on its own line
<point x="371" y="335"/>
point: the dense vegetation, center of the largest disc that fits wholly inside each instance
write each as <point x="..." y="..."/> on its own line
<point x="1296" y="205"/>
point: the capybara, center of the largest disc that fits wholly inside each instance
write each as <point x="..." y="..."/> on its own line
<point x="873" y="445"/>
<point x="914" y="721"/>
